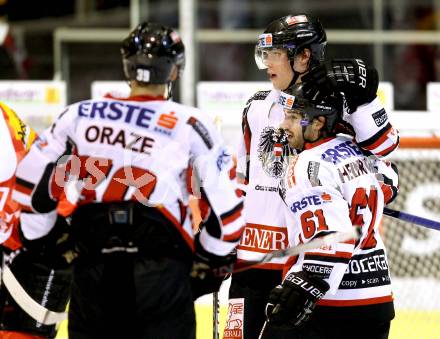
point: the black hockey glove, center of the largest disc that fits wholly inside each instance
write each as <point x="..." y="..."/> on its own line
<point x="352" y="77"/>
<point x="292" y="303"/>
<point x="55" y="249"/>
<point x="44" y="284"/>
<point x="205" y="275"/>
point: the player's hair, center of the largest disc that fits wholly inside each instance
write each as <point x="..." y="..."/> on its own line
<point x="296" y="32"/>
<point x="293" y="99"/>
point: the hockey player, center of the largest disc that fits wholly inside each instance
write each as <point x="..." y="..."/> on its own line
<point x="15" y="140"/>
<point x="122" y="166"/>
<point x="289" y="48"/>
<point x="36" y="275"/>
<point x="331" y="186"/>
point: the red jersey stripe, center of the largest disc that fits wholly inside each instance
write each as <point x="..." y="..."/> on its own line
<point x="234" y="236"/>
<point x="346" y="255"/>
<point x="388" y="150"/>
<point x="379" y="141"/>
<point x="231" y="218"/>
<point x="22" y="189"/>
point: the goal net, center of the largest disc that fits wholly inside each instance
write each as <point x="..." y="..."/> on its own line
<point x="414" y="251"/>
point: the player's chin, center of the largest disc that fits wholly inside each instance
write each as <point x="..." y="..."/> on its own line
<point x="275" y="80"/>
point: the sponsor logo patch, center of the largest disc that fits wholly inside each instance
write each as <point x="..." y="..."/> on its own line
<point x="167" y="120"/>
<point x="311" y="200"/>
<point x="340" y="152"/>
<point x="380" y="117"/>
<point x="366" y="270"/>
<point x="319" y="271"/>
<point x="266" y="188"/>
<point x="263" y="239"/>
<point x="286" y="100"/>
<point x="265" y="40"/>
<point x="234" y="322"/>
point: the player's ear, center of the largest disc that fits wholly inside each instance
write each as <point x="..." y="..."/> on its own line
<point x="305" y="55"/>
<point x="302" y="59"/>
<point x="318" y="123"/>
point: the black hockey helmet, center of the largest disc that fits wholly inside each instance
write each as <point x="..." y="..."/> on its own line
<point x="150" y="52"/>
<point x="293" y="33"/>
<point x="292" y="99"/>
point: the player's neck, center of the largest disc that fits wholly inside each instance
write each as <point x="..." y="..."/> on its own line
<point x="148" y="90"/>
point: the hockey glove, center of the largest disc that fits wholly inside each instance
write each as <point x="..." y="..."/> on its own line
<point x="56" y="249"/>
<point x="292" y="303"/>
<point x="45" y="285"/>
<point x="205" y="275"/>
<point x="358" y="82"/>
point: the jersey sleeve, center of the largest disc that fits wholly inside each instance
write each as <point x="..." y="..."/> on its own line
<point x="35" y="170"/>
<point x="313" y="209"/>
<point x="244" y="147"/>
<point x="212" y="164"/>
<point x="373" y="129"/>
<point x="15" y="140"/>
<point x="8" y="159"/>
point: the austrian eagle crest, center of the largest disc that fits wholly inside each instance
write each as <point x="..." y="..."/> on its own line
<point x="274" y="152"/>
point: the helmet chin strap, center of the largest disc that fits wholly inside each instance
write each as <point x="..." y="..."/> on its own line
<point x="296" y="75"/>
<point x="169" y="90"/>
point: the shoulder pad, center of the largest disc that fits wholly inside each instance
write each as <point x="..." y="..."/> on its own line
<point x="260" y="95"/>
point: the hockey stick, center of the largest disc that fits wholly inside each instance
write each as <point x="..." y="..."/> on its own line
<point x="38" y="312"/>
<point x="262" y="330"/>
<point x="325" y="240"/>
<point x="414" y="219"/>
<point x="216" y="310"/>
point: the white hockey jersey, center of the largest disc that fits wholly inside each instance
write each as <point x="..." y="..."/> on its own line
<point x="263" y="162"/>
<point x="140" y="149"/>
<point x="332" y="186"/>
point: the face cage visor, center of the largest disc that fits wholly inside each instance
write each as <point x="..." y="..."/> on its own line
<point x="267" y="52"/>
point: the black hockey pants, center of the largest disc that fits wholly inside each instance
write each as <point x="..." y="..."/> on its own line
<point x="254" y="286"/>
<point x="131" y="298"/>
<point x="129" y="294"/>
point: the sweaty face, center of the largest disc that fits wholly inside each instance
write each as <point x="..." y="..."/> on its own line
<point x="278" y="68"/>
<point x="293" y="128"/>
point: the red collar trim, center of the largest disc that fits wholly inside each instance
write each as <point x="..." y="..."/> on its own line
<point x="309" y="145"/>
<point x="136" y="98"/>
